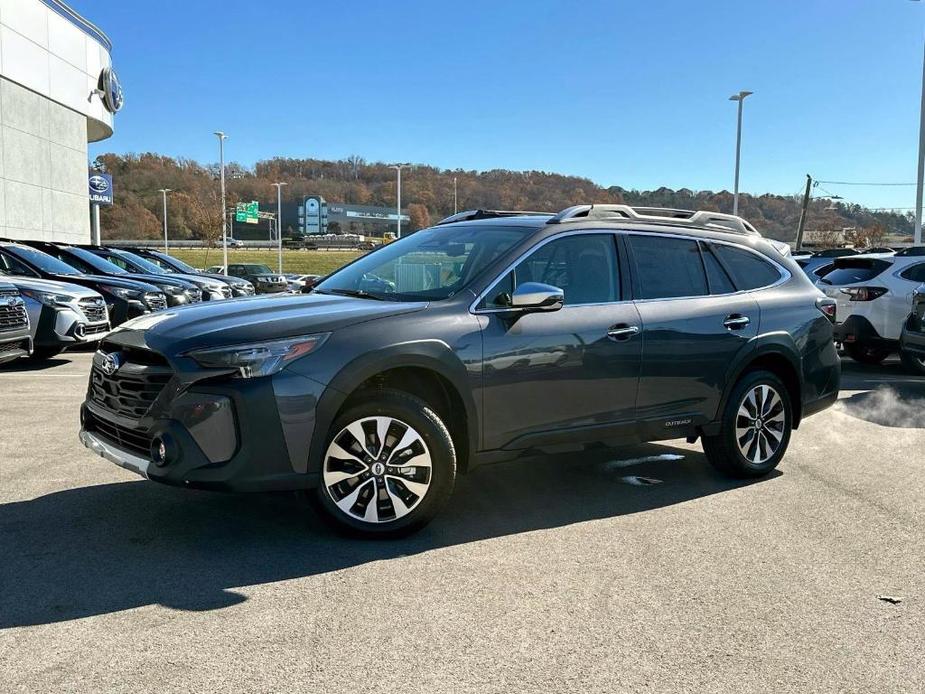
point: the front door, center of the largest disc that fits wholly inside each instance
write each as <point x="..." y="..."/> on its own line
<point x="566" y="375"/>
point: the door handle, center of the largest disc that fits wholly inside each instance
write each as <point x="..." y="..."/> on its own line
<point x="622" y="332"/>
<point x="736" y="322"/>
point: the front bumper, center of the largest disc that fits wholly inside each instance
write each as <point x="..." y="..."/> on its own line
<point x="913" y="340"/>
<point x="237" y="436"/>
<point x="14" y="344"/>
<point x="63" y="327"/>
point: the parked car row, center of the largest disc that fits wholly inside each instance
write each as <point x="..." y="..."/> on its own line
<point x="877" y="294"/>
<point x="54" y="296"/>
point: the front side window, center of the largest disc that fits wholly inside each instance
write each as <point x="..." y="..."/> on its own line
<point x="667" y="267"/>
<point x="583" y="266"/>
<point x="748" y="269"/>
<point x="717" y="277"/>
<point x="430" y="265"/>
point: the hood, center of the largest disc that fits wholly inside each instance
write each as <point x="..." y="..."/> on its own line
<point x="38" y="285"/>
<point x="162" y="280"/>
<point x="198" y="280"/>
<point x="218" y="323"/>
<point x="230" y="279"/>
<point x="93" y="281"/>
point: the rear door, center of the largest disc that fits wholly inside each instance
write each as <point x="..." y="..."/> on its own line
<point x="695" y="321"/>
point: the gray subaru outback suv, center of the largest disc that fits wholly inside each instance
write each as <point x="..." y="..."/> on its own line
<point x="490" y="336"/>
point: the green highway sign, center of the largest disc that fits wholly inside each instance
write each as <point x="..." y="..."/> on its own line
<point x="240" y="212"/>
<point x="252" y="212"/>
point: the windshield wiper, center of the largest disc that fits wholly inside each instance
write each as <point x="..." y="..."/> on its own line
<point x="357" y="293"/>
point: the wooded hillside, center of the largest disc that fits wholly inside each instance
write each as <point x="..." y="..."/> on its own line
<point x="427" y="194"/>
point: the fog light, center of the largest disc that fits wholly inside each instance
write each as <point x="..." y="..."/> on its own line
<point x="80" y="331"/>
<point x="159" y="451"/>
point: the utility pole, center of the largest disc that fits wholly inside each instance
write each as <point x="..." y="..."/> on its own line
<point x="809" y="185"/>
<point x="398" y="168"/>
<point x="221" y="156"/>
<point x="740" y="97"/>
<point x="917" y="239"/>
<point x="455" y="205"/>
<point x="279" y="223"/>
<point x="163" y="192"/>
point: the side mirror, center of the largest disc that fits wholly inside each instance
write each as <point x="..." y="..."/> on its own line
<point x="537" y="296"/>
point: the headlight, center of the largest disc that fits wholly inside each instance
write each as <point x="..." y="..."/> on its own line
<point x="124" y="293"/>
<point x="48" y="298"/>
<point x="173" y="291"/>
<point x="260" y="358"/>
<point x="214" y="287"/>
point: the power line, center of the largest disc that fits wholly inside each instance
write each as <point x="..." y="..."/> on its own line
<point x="858" y="183"/>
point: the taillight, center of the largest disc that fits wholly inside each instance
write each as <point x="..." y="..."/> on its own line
<point x="864" y="293"/>
<point x="827" y="306"/>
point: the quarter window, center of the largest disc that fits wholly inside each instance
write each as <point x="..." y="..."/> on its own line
<point x="916" y="273"/>
<point x="748" y="270"/>
<point x="667" y="267"/>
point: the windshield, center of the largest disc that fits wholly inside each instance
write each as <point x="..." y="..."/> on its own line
<point x="94" y="262"/>
<point x="430" y="265"/>
<point x="169" y="263"/>
<point x="142" y="264"/>
<point x="254" y="270"/>
<point x="43" y="261"/>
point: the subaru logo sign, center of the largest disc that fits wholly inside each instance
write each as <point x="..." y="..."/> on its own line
<point x="111" y="90"/>
<point x="100" y="187"/>
<point x="108" y="363"/>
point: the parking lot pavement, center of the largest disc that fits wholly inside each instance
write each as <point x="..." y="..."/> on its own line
<point x="646" y="571"/>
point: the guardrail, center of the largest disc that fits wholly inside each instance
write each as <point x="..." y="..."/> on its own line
<point x="80" y="22"/>
<point x="156" y="244"/>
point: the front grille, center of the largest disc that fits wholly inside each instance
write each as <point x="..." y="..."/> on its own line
<point x="123" y="437"/>
<point x="131" y="389"/>
<point x="93" y="309"/>
<point x="12" y="315"/>
<point x="97" y="329"/>
<point x="156" y="301"/>
<point x="10" y="347"/>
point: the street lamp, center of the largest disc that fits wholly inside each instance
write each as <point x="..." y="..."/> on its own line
<point x="740" y="97"/>
<point x="279" y="222"/>
<point x="920" y="185"/>
<point x="221" y="157"/>
<point x="398" y="168"/>
<point x="163" y="192"/>
<point x="455" y="205"/>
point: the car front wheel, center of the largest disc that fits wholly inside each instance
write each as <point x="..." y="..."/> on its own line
<point x="388" y="468"/>
<point x="755" y="427"/>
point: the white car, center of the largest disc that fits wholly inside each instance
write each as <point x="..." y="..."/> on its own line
<point x="873" y="292"/>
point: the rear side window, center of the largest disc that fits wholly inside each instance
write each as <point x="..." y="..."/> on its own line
<point x="852" y="271"/>
<point x="748" y="269"/>
<point x="667" y="267"/>
<point x="916" y="273"/>
<point x="720" y="282"/>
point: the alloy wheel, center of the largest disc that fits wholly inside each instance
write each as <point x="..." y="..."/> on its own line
<point x="760" y="423"/>
<point x="377" y="469"/>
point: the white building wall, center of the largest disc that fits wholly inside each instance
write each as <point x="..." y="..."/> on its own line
<point x="48" y="69"/>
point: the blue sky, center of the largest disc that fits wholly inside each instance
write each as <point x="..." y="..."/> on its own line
<point x="624" y="93"/>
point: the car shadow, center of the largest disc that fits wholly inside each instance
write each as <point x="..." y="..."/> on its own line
<point x="25" y="364"/>
<point x="101" y="549"/>
<point x="857" y="376"/>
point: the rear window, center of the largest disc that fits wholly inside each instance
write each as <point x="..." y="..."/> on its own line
<point x="748" y="269"/>
<point x="852" y="271"/>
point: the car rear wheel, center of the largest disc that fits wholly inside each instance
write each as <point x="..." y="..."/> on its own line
<point x="755" y="428"/>
<point x="913" y="363"/>
<point x="388" y="468"/>
<point x="866" y="354"/>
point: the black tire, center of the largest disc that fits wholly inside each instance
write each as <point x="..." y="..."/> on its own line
<point x="43" y="353"/>
<point x="402" y="409"/>
<point x="723" y="450"/>
<point x="914" y="364"/>
<point x="865" y="354"/>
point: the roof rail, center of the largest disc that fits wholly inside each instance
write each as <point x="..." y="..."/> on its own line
<point x="468" y="215"/>
<point x="703" y="218"/>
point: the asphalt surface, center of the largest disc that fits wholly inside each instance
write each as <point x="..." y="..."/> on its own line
<point x="571" y="575"/>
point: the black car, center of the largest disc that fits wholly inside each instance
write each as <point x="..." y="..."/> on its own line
<point x="481" y="339"/>
<point x="125" y="298"/>
<point x="209" y="289"/>
<point x="912" y="342"/>
<point x="177" y="291"/>
<point x="239" y="287"/>
<point x="265" y="281"/>
<point x="15" y="340"/>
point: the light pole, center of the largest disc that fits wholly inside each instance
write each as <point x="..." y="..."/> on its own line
<point x="455" y="204"/>
<point x="163" y="192"/>
<point x="398" y="168"/>
<point x="221" y="158"/>
<point x="279" y="223"/>
<point x="920" y="186"/>
<point x="740" y="97"/>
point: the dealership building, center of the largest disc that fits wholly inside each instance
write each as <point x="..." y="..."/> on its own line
<point x="57" y="93"/>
